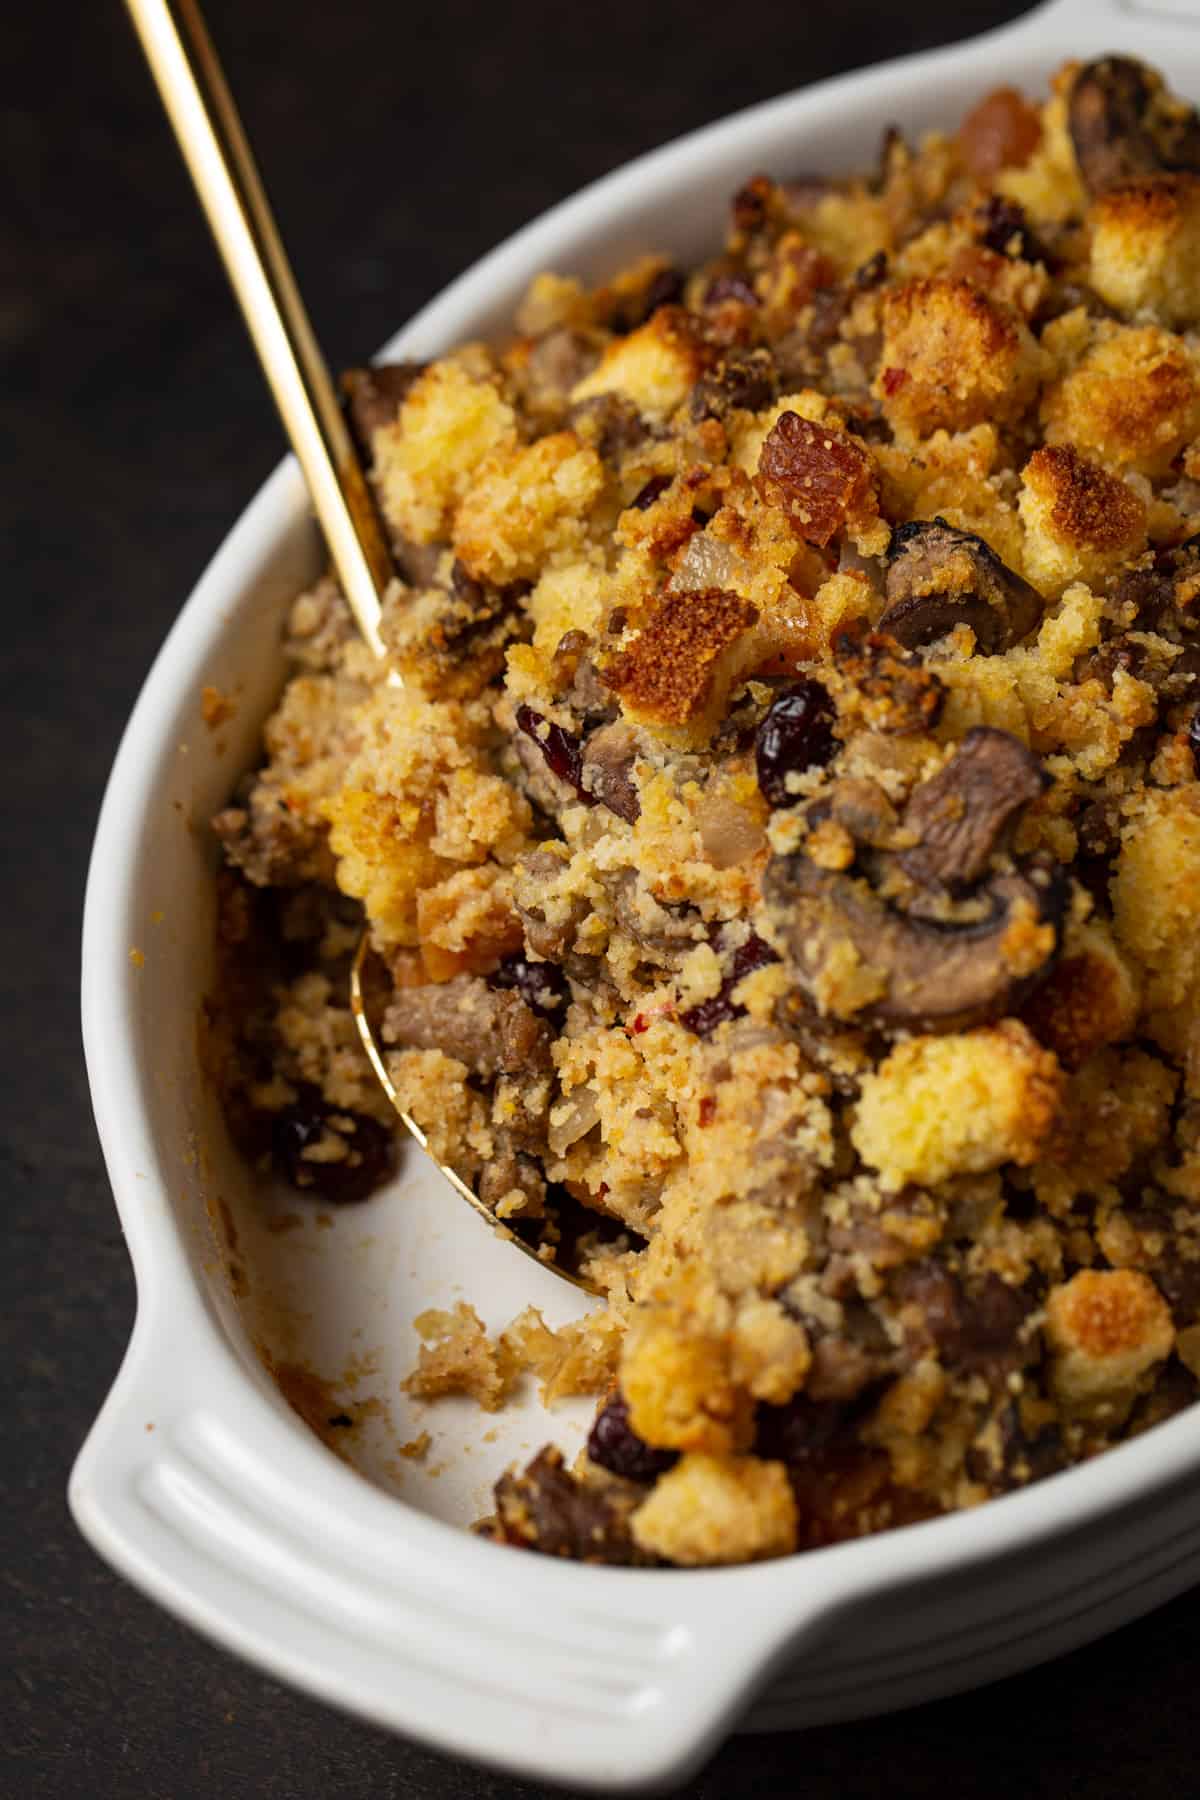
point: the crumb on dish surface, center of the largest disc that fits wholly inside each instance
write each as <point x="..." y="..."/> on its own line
<point x="782" y="859"/>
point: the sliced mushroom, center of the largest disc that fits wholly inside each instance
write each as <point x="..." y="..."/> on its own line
<point x="939" y="577"/>
<point x="1122" y="125"/>
<point x="936" y="976"/>
<point x="607" y="769"/>
<point x="962" y="814"/>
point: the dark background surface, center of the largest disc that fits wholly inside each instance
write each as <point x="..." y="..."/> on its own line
<point x="135" y="427"/>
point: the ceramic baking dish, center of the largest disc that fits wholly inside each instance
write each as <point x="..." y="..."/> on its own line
<point x="351" y="1574"/>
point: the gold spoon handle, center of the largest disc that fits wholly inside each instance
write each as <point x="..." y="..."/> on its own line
<point x="205" y="120"/>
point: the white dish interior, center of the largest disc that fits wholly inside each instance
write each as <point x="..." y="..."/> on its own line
<point x="201" y="1484"/>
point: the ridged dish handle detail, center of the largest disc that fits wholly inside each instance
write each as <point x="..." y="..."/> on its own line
<point x="492" y="1654"/>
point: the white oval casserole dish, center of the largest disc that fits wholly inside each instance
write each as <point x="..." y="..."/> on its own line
<point x="358" y="1582"/>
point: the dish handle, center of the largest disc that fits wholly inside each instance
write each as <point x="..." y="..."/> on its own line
<point x="200" y="1487"/>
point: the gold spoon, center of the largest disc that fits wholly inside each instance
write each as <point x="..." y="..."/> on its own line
<point x="196" y="96"/>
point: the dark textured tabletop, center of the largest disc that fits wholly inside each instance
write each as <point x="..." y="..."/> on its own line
<point x="398" y="144"/>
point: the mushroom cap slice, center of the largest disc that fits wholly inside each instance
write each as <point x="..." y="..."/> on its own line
<point x="1123" y="124"/>
<point x="962" y="814"/>
<point x="939" y="577"/>
<point x="858" y="958"/>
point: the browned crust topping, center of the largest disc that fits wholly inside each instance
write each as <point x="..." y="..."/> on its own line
<point x="1147" y="203"/>
<point x="665" y="674"/>
<point x="1088" y="506"/>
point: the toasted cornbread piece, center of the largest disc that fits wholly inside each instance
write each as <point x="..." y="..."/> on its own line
<point x="1145" y="254"/>
<point x="1105" y="1329"/>
<point x="654" y="366"/>
<point x="952" y="358"/>
<point x="468" y="921"/>
<point x="427" y="458"/>
<point x="677" y="672"/>
<point x="771" y="1354"/>
<point x="956" y="1105"/>
<point x="679" y="1384"/>
<point x="432" y="1089"/>
<point x="1079" y="520"/>
<point x="381" y="861"/>
<point x="418" y="799"/>
<point x="526" y="506"/>
<point x="718" y="1509"/>
<point x="1132" y="401"/>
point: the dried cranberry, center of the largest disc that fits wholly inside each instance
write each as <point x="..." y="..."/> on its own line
<point x="796" y="734"/>
<point x="541" y="985"/>
<point x="616" y="1446"/>
<point x="647" y="495"/>
<point x="1194" y="739"/>
<point x="365" y="1166"/>
<point x="803" y="1428"/>
<point x="666" y="289"/>
<point x="1000" y="221"/>
<point x="703" y="1019"/>
<point x="563" y="753"/>
<point x="872" y="272"/>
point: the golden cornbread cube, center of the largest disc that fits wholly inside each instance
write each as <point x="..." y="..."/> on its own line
<point x="952" y="358"/>
<point x="526" y="505"/>
<point x="432" y="1088"/>
<point x="1132" y="400"/>
<point x="1145" y="249"/>
<point x="718" y="1509"/>
<point x="381" y="860"/>
<point x="1080" y="521"/>
<point x="676" y="673"/>
<point x="654" y="366"/>
<point x="676" y="1379"/>
<point x="771" y="1354"/>
<point x="957" y="1105"/>
<point x="426" y="459"/>
<point x="1104" y="1328"/>
<point x="467" y="921"/>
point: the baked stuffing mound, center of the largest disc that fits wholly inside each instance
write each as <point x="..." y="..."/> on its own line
<point x="782" y="861"/>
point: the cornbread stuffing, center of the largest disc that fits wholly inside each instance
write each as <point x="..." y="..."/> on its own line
<point x="781" y="858"/>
